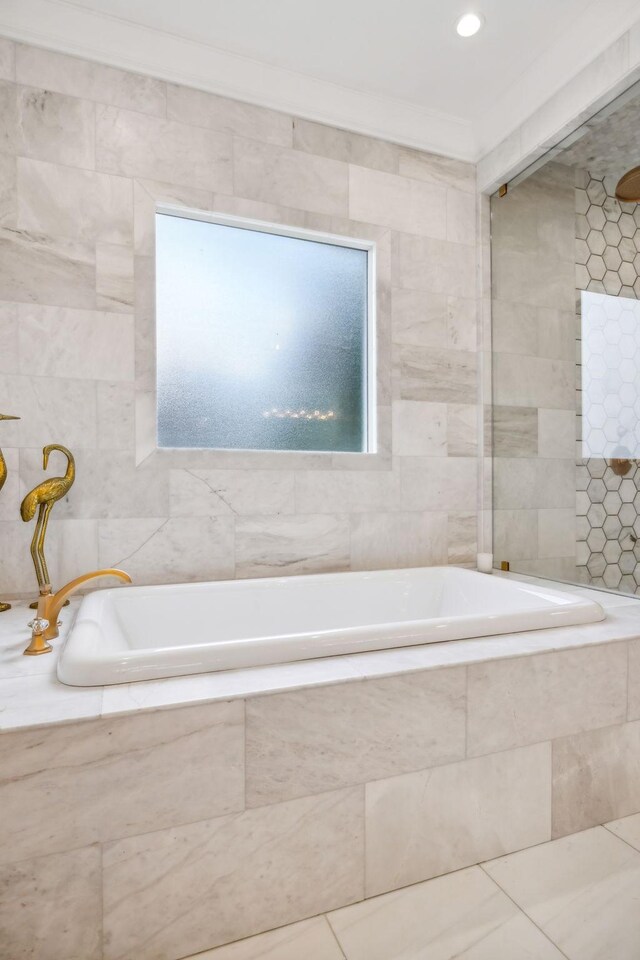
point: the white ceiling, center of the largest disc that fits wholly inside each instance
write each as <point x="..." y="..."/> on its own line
<point x="394" y="69"/>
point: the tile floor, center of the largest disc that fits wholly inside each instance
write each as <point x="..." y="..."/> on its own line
<point x="577" y="898"/>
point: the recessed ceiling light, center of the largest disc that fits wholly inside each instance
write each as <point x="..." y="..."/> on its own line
<point x="469" y="24"/>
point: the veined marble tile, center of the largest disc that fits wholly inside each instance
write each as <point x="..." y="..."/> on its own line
<point x="147" y="194"/>
<point x="311" y="939"/>
<point x="515" y="328"/>
<point x="534" y="382"/>
<point x="462" y="916"/>
<point x="419" y="317"/>
<point x="389" y="540"/>
<point x="115" y="412"/>
<point x="134" y="145"/>
<point x="8" y="338"/>
<point x="462" y="537"/>
<point x="556" y="433"/>
<point x="419" y="428"/>
<point x="628" y="829"/>
<point x="288" y="861"/>
<point x="582" y="891"/>
<point x="43" y="700"/>
<point x="282" y="545"/>
<point x="515" y="534"/>
<point x="7" y="59"/>
<point x="529" y="699"/>
<point x="289" y="177"/>
<point x="76" y="549"/>
<point x="311" y="741"/>
<point x="205" y="493"/>
<point x="436" y="169"/>
<point x="350" y="491"/>
<point x="153" y="763"/>
<point x="634" y="680"/>
<point x="176" y="549"/>
<point x="51" y="907"/>
<point x="462" y="324"/>
<point x="536" y="279"/>
<point x="114" y="278"/>
<point x="424" y="263"/>
<point x="89" y="345"/>
<point x="202" y="109"/>
<point x="515" y="431"/>
<point x="462" y="430"/>
<point x="400" y="203"/>
<point x="325" y="141"/>
<point x="11" y="490"/>
<point x="522" y="483"/>
<point x="423" y="824"/>
<point x="56" y="128"/>
<point x="438" y="483"/>
<point x="79" y="204"/>
<point x="596" y="777"/>
<point x="50" y="408"/>
<point x="8" y="191"/>
<point x="50" y="70"/>
<point x="557" y="533"/>
<point x="35" y="268"/>
<point x="444" y="376"/>
<point x="461" y="216"/>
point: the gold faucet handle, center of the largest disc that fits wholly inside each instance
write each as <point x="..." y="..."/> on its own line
<point x="38" y="643"/>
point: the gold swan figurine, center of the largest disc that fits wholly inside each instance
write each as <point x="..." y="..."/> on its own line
<point x="3" y="477"/>
<point x="43" y="497"/>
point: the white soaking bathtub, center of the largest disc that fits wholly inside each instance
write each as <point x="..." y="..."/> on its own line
<point x="145" y="633"/>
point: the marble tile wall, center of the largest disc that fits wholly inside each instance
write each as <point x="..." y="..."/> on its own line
<point x="86" y="153"/>
<point x="534" y="374"/>
<point x="237" y="817"/>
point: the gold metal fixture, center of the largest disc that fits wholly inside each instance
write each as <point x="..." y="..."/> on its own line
<point x="503" y="190"/>
<point x="505" y="566"/>
<point x="628" y="189"/>
<point x="621" y="467"/>
<point x="44" y="497"/>
<point x="3" y="477"/>
<point x="45" y="625"/>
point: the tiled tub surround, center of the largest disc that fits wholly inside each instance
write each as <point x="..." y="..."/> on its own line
<point x="86" y="153"/>
<point x="183" y="814"/>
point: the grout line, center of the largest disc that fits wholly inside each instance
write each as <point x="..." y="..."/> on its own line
<point x="617" y="835"/>
<point x="521" y="909"/>
<point x="334" y="935"/>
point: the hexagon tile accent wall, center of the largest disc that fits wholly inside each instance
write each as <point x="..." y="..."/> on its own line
<point x="607" y="506"/>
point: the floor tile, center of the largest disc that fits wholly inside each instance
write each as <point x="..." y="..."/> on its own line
<point x="583" y="891"/>
<point x="461" y="915"/>
<point x="628" y="829"/>
<point x="310" y="939"/>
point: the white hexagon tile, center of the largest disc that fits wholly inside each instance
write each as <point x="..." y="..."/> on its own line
<point x="608" y="395"/>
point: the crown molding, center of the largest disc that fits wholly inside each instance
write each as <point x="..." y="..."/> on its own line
<point x="67" y="28"/>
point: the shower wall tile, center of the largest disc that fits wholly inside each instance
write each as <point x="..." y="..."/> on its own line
<point x="556" y="433"/>
<point x="134" y="145"/>
<point x="634" y="680"/>
<point x="56" y="128"/>
<point x="49" y="407"/>
<point x="424" y="263"/>
<point x="275" y="175"/>
<point x="438" y="483"/>
<point x="202" y="109"/>
<point x="288" y="861"/>
<point x="490" y="805"/>
<point x="596" y="777"/>
<point x="80" y="768"/>
<point x="419" y="428"/>
<point x="8" y="191"/>
<point x="324" y="141"/>
<point x="204" y="493"/>
<point x="311" y="741"/>
<point x="380" y="541"/>
<point x="557" y="532"/>
<point x="515" y="431"/>
<point x="49" y="70"/>
<point x="282" y="545"/>
<point x="515" y="534"/>
<point x="445" y="376"/>
<point x="356" y="491"/>
<point x="419" y="317"/>
<point x="529" y="699"/>
<point x="436" y="169"/>
<point x="36" y="268"/>
<point x="79" y="204"/>
<point x="115" y="273"/>
<point x="534" y="382"/>
<point x="51" y="907"/>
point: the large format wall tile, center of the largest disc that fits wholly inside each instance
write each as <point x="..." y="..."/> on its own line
<point x="529" y="699"/>
<point x="202" y="109"/>
<point x="51" y="906"/>
<point x="346" y="146"/>
<point x="424" y="263"/>
<point x="106" y="779"/>
<point x="411" y="206"/>
<point x="51" y="410"/>
<point x="596" y="777"/>
<point x="133" y="145"/>
<point x="315" y="740"/>
<point x="445" y="376"/>
<point x="382" y="541"/>
<point x="184" y="890"/>
<point x="427" y="823"/>
<point x="80" y="204"/>
<point x="205" y="493"/>
<point x="35" y="268"/>
<point x="273" y="546"/>
<point x="311" y="939"/>
<point x="50" y="70"/>
<point x="275" y="175"/>
<point x="634" y="680"/>
<point x="52" y="127"/>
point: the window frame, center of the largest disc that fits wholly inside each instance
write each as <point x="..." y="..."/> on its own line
<point x="297" y="233"/>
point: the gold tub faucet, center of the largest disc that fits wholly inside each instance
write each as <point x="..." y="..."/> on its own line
<point x="45" y="625"/>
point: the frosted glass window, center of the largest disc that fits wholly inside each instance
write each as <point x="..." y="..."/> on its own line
<point x="262" y="339"/>
<point x="610" y="376"/>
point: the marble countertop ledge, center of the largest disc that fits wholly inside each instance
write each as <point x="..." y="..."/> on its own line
<point x="31" y="696"/>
